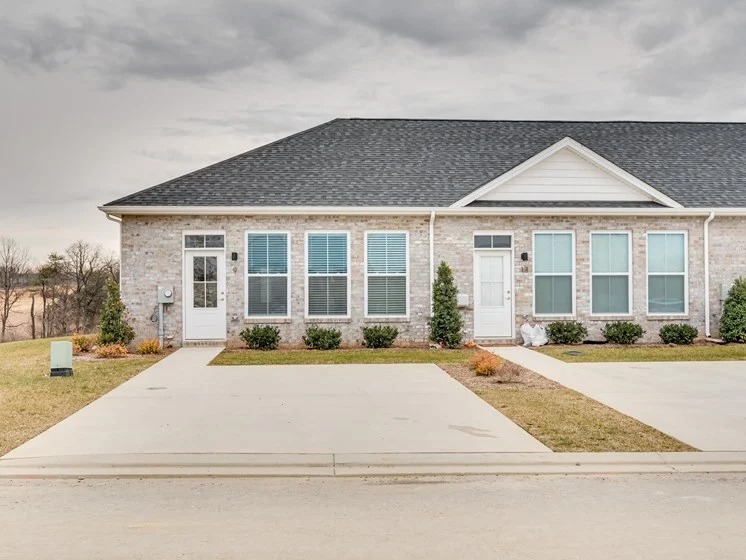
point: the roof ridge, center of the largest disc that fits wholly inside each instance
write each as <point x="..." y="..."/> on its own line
<point x="206" y="167"/>
<point x="570" y="121"/>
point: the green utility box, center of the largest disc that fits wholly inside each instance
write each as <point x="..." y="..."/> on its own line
<point x="61" y="359"/>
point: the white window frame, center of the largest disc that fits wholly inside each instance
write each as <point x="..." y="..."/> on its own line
<point x="535" y="274"/>
<point x="367" y="274"/>
<point x="247" y="275"/>
<point x="349" y="275"/>
<point x="685" y="233"/>
<point x="628" y="274"/>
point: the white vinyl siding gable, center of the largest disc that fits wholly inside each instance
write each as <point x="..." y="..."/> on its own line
<point x="386" y="274"/>
<point x="267" y="274"/>
<point x="611" y="273"/>
<point x="667" y="273"/>
<point x="554" y="273"/>
<point x="565" y="175"/>
<point x="327" y="274"/>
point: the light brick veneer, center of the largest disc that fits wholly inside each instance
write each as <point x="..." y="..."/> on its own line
<point x="152" y="255"/>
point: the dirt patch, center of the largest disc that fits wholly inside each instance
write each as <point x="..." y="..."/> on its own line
<point x="521" y="378"/>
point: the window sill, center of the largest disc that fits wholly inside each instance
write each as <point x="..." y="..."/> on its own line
<point x="386" y="319"/>
<point x="624" y="317"/>
<point x="266" y="320"/>
<point x="667" y="317"/>
<point x="328" y="319"/>
<point x="550" y="318"/>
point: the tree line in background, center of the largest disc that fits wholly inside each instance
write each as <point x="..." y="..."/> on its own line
<point x="65" y="293"/>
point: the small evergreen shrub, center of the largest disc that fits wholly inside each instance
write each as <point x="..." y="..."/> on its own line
<point x="446" y="322"/>
<point x="733" y="320"/>
<point x="679" y="333"/>
<point x="485" y="363"/>
<point x="379" y="336"/>
<point x="84" y="342"/>
<point x="317" y="338"/>
<point x="111" y="351"/>
<point x="114" y="326"/>
<point x="622" y="332"/>
<point x="148" y="346"/>
<point x="261" y="337"/>
<point x="566" y="332"/>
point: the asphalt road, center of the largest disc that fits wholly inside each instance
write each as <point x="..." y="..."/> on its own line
<point x="509" y="517"/>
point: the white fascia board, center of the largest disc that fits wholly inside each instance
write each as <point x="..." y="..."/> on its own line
<point x="583" y="152"/>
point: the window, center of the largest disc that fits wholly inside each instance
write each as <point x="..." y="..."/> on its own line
<point x="610" y="273"/>
<point x="201" y="241"/>
<point x="205" y="282"/>
<point x="554" y="285"/>
<point x="667" y="273"/>
<point x="492" y="241"/>
<point x="268" y="275"/>
<point x="327" y="274"/>
<point x="386" y="273"/>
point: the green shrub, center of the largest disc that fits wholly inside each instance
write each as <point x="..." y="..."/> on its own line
<point x="679" y="333"/>
<point x="317" y="338"/>
<point x="446" y="322"/>
<point x="566" y="332"/>
<point x="733" y="320"/>
<point x="114" y="326"/>
<point x="261" y="337"/>
<point x="622" y="332"/>
<point x="379" y="336"/>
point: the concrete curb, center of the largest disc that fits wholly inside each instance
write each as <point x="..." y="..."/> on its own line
<point x="360" y="464"/>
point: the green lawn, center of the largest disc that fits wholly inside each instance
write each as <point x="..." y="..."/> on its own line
<point x="646" y="353"/>
<point x="31" y="401"/>
<point x="341" y="356"/>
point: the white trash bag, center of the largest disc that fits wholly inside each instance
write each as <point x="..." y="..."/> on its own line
<point x="527" y="332"/>
<point x="533" y="335"/>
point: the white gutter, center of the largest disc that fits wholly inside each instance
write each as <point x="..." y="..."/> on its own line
<point x="408" y="211"/>
<point x="707" y="271"/>
<point x="432" y="257"/>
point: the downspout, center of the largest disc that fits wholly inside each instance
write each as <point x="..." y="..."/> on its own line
<point x="432" y="257"/>
<point x="118" y="221"/>
<point x="707" y="271"/>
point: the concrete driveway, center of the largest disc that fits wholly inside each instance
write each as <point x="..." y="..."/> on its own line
<point x="183" y="406"/>
<point x="700" y="403"/>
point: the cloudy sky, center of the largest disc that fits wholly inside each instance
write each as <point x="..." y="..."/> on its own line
<point x="99" y="99"/>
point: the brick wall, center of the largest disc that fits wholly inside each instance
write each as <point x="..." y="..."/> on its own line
<point x="152" y="255"/>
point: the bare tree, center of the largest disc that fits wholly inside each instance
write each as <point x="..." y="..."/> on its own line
<point x="89" y="267"/>
<point x="14" y="268"/>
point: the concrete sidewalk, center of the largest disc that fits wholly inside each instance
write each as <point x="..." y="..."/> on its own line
<point x="700" y="403"/>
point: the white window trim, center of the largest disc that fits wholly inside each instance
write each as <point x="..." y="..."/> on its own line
<point x="247" y="276"/>
<point x="184" y="234"/>
<point x="511" y="234"/>
<point x="365" y="269"/>
<point x="628" y="274"/>
<point x="685" y="273"/>
<point x="535" y="274"/>
<point x="349" y="275"/>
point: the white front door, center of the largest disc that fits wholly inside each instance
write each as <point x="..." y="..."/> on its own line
<point x="493" y="294"/>
<point x="204" y="295"/>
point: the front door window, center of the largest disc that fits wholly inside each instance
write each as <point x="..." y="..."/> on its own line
<point x="205" y="282"/>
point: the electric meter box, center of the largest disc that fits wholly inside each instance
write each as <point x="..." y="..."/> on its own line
<point x="165" y="294"/>
<point x="61" y="359"/>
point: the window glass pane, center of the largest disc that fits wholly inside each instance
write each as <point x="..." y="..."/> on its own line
<point x="656" y="252"/>
<point x="618" y="252"/>
<point x="377" y="253"/>
<point x="674" y="252"/>
<point x="553" y="295"/>
<point x="257" y="253"/>
<point x="610" y="294"/>
<point x="317" y="253"/>
<point x="277" y="247"/>
<point x="600" y="253"/>
<point x="214" y="241"/>
<point x="211" y="269"/>
<point x="194" y="241"/>
<point x="337" y="286"/>
<point x="211" y="294"/>
<point x="501" y="242"/>
<point x="268" y="295"/>
<point x="198" y="269"/>
<point x="666" y="294"/>
<point x="337" y="247"/>
<point x="482" y="242"/>
<point x="317" y="296"/>
<point x="562" y="252"/>
<point x="199" y="294"/>
<point x="387" y="295"/>
<point x="396" y="253"/>
<point x="543" y="257"/>
<point x="327" y="295"/>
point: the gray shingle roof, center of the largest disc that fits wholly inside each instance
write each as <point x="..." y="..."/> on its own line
<point x="434" y="163"/>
